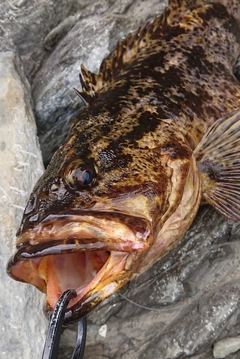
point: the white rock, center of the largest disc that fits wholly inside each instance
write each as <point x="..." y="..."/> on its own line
<point x="225" y="347"/>
<point x="22" y="322"/>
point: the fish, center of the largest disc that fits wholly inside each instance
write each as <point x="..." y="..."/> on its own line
<point x="158" y="135"/>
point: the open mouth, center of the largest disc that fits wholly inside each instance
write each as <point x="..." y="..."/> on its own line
<point x="89" y="273"/>
<point x="73" y="270"/>
<point x="95" y="266"/>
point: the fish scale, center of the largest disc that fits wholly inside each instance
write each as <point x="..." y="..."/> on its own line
<point x="139" y="158"/>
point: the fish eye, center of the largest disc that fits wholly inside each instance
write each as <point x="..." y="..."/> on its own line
<point x="81" y="175"/>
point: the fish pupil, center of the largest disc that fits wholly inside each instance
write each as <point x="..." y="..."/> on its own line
<point x="87" y="177"/>
<point x="84" y="177"/>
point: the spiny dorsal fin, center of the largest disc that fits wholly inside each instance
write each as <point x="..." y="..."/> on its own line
<point x="184" y="3"/>
<point x="124" y="52"/>
<point x="127" y="50"/>
<point x="218" y="157"/>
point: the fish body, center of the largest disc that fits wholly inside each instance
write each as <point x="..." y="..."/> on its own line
<point x="159" y="133"/>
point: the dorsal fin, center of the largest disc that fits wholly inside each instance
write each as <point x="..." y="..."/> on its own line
<point x="125" y="52"/>
<point x="184" y="3"/>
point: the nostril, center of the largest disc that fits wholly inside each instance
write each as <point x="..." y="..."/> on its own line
<point x="54" y="187"/>
<point x="53" y="191"/>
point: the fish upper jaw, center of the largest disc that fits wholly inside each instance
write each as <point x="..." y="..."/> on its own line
<point x="85" y="230"/>
<point x="91" y="253"/>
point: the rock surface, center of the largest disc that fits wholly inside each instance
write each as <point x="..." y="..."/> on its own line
<point x="21" y="165"/>
<point x="184" y="303"/>
<point x="226" y="346"/>
<point x="25" y="24"/>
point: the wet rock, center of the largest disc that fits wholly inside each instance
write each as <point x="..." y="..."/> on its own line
<point x="25" y="24"/>
<point x="226" y="346"/>
<point x="22" y="323"/>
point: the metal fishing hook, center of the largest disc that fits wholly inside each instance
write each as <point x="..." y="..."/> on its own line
<point x="55" y="328"/>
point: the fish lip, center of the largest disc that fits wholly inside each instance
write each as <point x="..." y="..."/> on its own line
<point x="47" y="239"/>
<point x="84" y="230"/>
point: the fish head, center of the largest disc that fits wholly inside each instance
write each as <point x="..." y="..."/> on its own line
<point x="94" y="219"/>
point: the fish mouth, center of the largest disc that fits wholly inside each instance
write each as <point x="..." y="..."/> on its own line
<point x="92" y="253"/>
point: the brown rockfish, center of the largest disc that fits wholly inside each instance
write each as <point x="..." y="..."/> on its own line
<point x="160" y="132"/>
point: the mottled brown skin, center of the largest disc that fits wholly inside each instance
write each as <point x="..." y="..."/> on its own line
<point x="154" y="98"/>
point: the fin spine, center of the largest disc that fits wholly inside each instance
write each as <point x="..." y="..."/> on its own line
<point x="125" y="52"/>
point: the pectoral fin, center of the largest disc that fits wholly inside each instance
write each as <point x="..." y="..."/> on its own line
<point x="218" y="158"/>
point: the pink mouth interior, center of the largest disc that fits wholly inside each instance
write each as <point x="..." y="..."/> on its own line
<point x="71" y="271"/>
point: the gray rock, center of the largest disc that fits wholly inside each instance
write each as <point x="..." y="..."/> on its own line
<point x="22" y="323"/>
<point x="226" y="346"/>
<point x="25" y="24"/>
